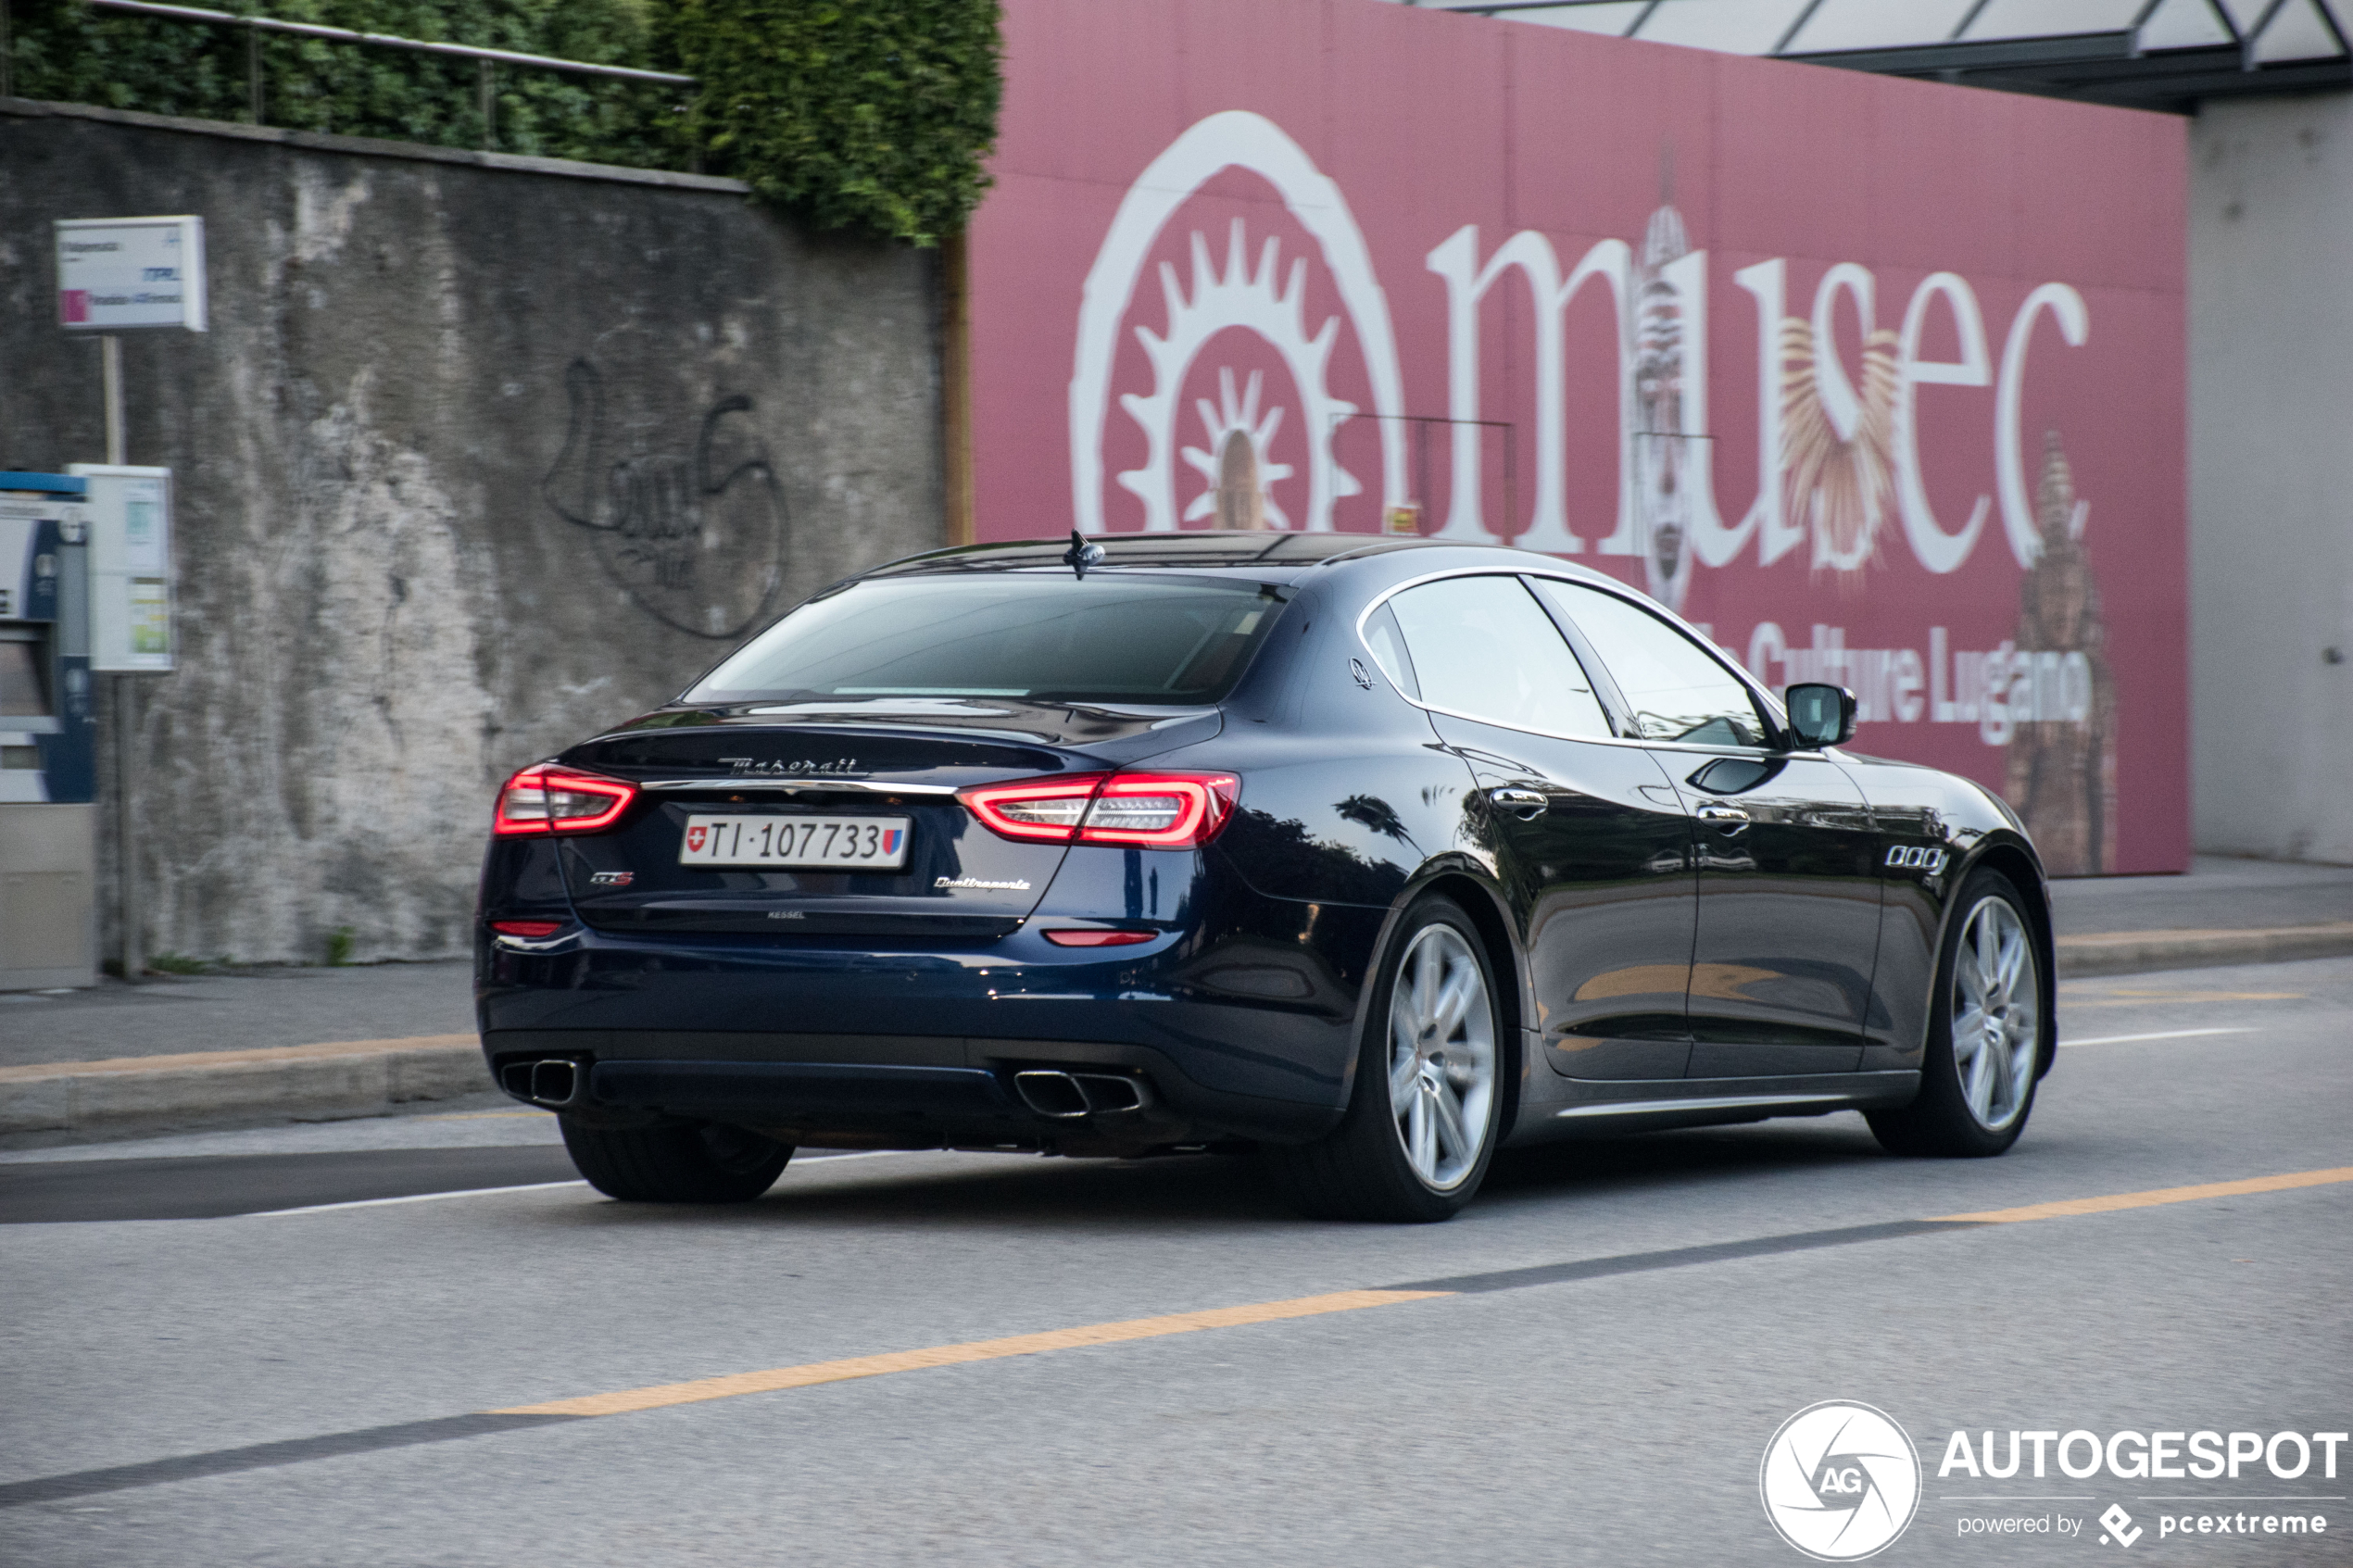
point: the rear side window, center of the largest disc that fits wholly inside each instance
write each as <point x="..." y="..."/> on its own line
<point x="1483" y="648"/>
<point x="1677" y="689"/>
<point x="1388" y="643"/>
<point x="1043" y="635"/>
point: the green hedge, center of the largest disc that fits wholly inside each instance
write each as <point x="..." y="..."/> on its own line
<point x="68" y="52"/>
<point x="874" y="113"/>
<point x="877" y="112"/>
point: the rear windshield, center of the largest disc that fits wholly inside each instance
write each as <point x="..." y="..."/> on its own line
<point x="1044" y="637"/>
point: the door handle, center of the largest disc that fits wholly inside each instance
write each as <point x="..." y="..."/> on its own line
<point x="1728" y="819"/>
<point x="1517" y="800"/>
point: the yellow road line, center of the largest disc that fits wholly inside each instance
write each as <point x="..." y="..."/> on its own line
<point x="774" y="1379"/>
<point x="2150" y="1199"/>
<point x="956" y="1355"/>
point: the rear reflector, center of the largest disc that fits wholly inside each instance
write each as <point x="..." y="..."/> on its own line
<point x="1099" y="938"/>
<point x="1144" y="811"/>
<point x="545" y="800"/>
<point x="526" y="927"/>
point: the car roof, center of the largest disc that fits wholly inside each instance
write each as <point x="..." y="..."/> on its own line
<point x="1278" y="557"/>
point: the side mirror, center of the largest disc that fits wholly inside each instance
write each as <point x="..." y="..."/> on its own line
<point x="1820" y="715"/>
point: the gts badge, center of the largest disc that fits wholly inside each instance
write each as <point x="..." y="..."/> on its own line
<point x="612" y="879"/>
<point x="1916" y="858"/>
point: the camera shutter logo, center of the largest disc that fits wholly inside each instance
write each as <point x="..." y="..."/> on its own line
<point x="1840" y="1481"/>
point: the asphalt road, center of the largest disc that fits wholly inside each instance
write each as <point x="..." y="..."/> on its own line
<point x="1585" y="1367"/>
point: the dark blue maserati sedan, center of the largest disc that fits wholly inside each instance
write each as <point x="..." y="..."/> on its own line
<point x="1368" y="855"/>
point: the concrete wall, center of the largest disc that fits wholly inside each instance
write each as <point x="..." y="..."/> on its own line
<point x="2271" y="339"/>
<point x="481" y="452"/>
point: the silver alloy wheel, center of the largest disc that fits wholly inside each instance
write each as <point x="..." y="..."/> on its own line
<point x="1441" y="1056"/>
<point x="1997" y="1013"/>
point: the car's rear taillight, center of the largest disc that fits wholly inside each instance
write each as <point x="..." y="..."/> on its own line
<point x="545" y="800"/>
<point x="1162" y="811"/>
<point x="1142" y="811"/>
<point x="1044" y="811"/>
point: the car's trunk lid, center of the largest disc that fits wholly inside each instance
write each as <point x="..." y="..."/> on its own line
<point x="882" y="764"/>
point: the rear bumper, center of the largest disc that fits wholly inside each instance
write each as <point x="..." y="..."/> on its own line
<point x="864" y="1105"/>
<point x="850" y="1043"/>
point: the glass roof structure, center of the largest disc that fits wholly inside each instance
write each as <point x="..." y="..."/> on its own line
<point x="2148" y="54"/>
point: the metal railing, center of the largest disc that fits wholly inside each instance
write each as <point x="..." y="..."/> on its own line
<point x="487" y="61"/>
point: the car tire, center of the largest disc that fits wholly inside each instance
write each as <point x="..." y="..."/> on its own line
<point x="697" y="1163"/>
<point x="1985" y="1032"/>
<point x="1407" y="1164"/>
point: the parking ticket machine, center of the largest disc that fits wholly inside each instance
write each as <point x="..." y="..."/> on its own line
<point x="48" y="763"/>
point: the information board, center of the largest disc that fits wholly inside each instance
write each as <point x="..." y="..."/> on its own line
<point x="118" y="273"/>
<point x="129" y="515"/>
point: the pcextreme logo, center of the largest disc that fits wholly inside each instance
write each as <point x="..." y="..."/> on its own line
<point x="1840" y="1481"/>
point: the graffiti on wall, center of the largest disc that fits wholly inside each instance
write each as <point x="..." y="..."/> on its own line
<point x="696" y="537"/>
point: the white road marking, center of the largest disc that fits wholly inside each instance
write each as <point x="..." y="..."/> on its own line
<point x="805" y="1156"/>
<point x="523" y="1187"/>
<point x="2160" y="1034"/>
<point x="417" y="1197"/>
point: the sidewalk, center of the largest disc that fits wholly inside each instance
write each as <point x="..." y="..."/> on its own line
<point x="278" y="1045"/>
<point x="2218" y="894"/>
<point x="2224" y="911"/>
<point x="275" y="1044"/>
<point x="237" y="1011"/>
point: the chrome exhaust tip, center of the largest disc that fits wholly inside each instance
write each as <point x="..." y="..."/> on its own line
<point x="1065" y="1097"/>
<point x="1050" y="1094"/>
<point x="1108" y="1093"/>
<point x="554" y="1083"/>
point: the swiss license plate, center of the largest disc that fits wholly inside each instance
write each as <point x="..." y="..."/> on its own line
<point x="857" y="844"/>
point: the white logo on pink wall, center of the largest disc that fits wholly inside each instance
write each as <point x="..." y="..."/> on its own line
<point x="1840" y="463"/>
<point x="1252" y="290"/>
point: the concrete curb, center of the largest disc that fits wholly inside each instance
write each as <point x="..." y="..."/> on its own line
<point x="85" y="1101"/>
<point x="2139" y="952"/>
<point x="79" y="1101"/>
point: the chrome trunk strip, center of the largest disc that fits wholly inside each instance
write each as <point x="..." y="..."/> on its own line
<point x="866" y="786"/>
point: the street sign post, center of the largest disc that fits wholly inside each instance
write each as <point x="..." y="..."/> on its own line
<point x="129" y="512"/>
<point x="125" y="275"/>
<point x="117" y="275"/>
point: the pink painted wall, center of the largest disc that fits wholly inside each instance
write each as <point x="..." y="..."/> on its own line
<point x="1985" y="465"/>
